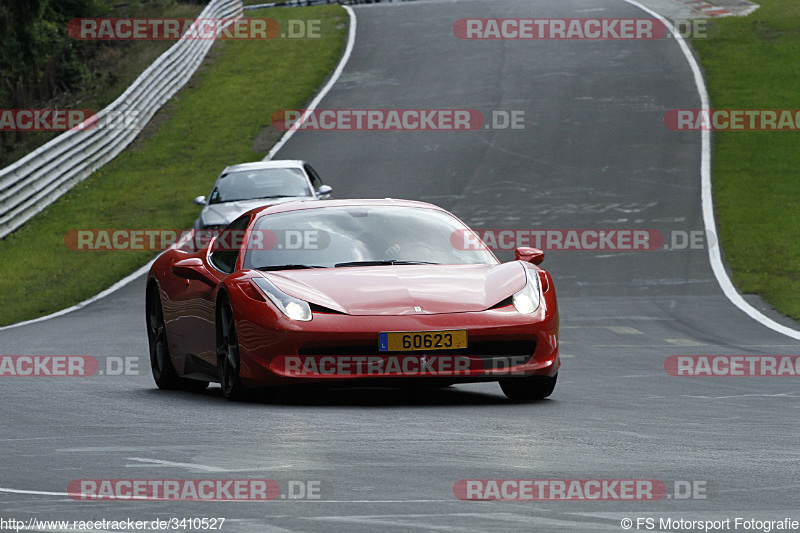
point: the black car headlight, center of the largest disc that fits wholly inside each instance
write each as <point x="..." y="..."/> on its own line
<point x="526" y="301"/>
<point x="290" y="306"/>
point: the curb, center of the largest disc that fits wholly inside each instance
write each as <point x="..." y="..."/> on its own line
<point x="723" y="8"/>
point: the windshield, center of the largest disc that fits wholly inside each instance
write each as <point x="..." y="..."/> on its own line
<point x="261" y="183"/>
<point x="354" y="236"/>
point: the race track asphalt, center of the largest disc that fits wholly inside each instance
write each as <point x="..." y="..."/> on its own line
<point x="594" y="153"/>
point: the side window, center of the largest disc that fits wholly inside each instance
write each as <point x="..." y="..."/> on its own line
<point x="214" y="197"/>
<point x="316" y="182"/>
<point x="229" y="242"/>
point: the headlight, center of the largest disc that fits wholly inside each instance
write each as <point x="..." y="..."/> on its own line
<point x="290" y="306"/>
<point x="526" y="301"/>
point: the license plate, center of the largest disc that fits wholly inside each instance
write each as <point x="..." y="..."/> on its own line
<point x="414" y="341"/>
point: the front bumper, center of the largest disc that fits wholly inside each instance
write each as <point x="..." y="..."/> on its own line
<point x="343" y="348"/>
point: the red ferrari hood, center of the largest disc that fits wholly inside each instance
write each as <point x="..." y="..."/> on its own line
<point x="401" y="289"/>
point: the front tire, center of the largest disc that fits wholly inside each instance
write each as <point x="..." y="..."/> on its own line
<point x="528" y="388"/>
<point x="164" y="372"/>
<point x="228" y="361"/>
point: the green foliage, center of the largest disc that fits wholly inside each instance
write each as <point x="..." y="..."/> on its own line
<point x="210" y="123"/>
<point x="754" y="63"/>
<point x="41" y="67"/>
<point x="33" y="37"/>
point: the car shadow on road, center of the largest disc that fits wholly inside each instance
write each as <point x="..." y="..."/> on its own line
<point x="362" y="397"/>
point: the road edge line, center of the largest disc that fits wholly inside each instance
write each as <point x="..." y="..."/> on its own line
<point x="714" y="256"/>
<point x="351" y="39"/>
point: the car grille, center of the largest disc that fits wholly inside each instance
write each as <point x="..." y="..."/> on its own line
<point x="488" y="351"/>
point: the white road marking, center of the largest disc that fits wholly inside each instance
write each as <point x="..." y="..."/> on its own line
<point x="351" y="39"/>
<point x="708" y="206"/>
<point x="430" y="521"/>
<point x="34" y="492"/>
<point x="685" y="342"/>
<point x="115" y="287"/>
<point x="277" y="500"/>
<point x="624" y="330"/>
<point x="159" y="462"/>
<point x="778" y="395"/>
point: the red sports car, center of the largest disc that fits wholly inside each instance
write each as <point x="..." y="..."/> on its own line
<point x="375" y="292"/>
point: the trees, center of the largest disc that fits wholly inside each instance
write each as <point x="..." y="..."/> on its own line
<point x="38" y="60"/>
<point x="37" y="57"/>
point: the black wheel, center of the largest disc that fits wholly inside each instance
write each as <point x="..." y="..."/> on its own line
<point x="160" y="361"/>
<point x="528" y="388"/>
<point x="228" y="362"/>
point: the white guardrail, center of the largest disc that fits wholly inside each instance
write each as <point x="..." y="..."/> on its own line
<point x="38" y="179"/>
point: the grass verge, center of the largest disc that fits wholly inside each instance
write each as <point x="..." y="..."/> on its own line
<point x="754" y="63"/>
<point x="211" y="123"/>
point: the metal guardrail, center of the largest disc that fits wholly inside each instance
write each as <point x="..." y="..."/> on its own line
<point x="38" y="179"/>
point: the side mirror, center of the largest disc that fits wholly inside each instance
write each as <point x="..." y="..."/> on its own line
<point x="324" y="191"/>
<point x="200" y="200"/>
<point x="192" y="268"/>
<point x="530" y="255"/>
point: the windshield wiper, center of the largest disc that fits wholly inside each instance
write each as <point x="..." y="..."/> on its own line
<point x="382" y="262"/>
<point x="279" y="196"/>
<point x="287" y="267"/>
<point x="248" y="199"/>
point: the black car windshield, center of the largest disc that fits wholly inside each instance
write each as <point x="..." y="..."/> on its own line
<point x="260" y="183"/>
<point x="344" y="236"/>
